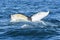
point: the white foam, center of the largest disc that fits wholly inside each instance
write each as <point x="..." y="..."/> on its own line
<point x="24" y="26"/>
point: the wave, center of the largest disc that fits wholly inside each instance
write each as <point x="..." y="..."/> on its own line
<point x="29" y="28"/>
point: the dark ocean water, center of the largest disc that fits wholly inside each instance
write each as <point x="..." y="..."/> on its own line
<point x="32" y="30"/>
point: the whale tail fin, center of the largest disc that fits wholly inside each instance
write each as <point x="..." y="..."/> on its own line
<point x="34" y="18"/>
<point x="18" y="18"/>
<point x="39" y="16"/>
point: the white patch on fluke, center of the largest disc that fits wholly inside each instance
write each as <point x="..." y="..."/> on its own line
<point x="39" y="16"/>
<point x="36" y="17"/>
<point x="18" y="17"/>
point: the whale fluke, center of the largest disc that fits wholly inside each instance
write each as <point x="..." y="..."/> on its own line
<point x="36" y="17"/>
<point x="18" y="17"/>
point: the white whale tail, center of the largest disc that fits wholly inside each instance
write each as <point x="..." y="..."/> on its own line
<point x="39" y="16"/>
<point x="18" y="18"/>
<point x="34" y="18"/>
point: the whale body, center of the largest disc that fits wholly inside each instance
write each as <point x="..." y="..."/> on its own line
<point x="36" y="17"/>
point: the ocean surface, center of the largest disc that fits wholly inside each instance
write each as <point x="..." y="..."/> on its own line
<point x="30" y="30"/>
